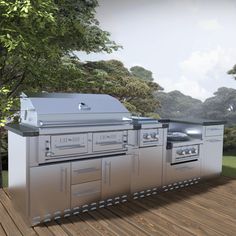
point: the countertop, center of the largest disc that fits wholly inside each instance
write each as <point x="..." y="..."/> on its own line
<point x="193" y="121"/>
<point x="22" y="130"/>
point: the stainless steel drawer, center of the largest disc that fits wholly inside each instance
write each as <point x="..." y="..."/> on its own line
<point x="69" y="144"/>
<point x="214" y="130"/>
<point x="85" y="171"/>
<point x="86" y="193"/>
<point x="183" y="171"/>
<point x="105" y="141"/>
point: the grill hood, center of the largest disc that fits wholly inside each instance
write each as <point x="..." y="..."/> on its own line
<point x="63" y="109"/>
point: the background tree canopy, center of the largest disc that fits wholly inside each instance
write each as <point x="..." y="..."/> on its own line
<point x="35" y="35"/>
<point x="233" y="71"/>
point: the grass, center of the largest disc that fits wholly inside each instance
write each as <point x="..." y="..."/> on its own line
<point x="228" y="169"/>
<point x="229" y="166"/>
<point x="5" y="178"/>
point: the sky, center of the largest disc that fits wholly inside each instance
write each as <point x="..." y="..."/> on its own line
<point x="189" y="45"/>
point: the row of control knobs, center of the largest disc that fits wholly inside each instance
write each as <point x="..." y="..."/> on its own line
<point x="187" y="151"/>
<point x="151" y="136"/>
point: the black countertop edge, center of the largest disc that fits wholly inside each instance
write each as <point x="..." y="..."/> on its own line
<point x="22" y="130"/>
<point x="194" y="121"/>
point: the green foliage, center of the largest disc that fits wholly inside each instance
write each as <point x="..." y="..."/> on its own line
<point x="106" y="77"/>
<point x="233" y="72"/>
<point x="230" y="139"/>
<point x="141" y="73"/>
<point x="177" y="105"/>
<point x="221" y="106"/>
<point x="36" y="35"/>
<point x="5" y="106"/>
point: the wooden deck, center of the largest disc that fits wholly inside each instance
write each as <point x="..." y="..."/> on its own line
<point x="208" y="208"/>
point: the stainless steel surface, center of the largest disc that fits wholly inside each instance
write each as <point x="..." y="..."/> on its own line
<point x="90" y="154"/>
<point x="146" y="168"/>
<point x="150" y="137"/>
<point x="49" y="190"/>
<point x="212" y="150"/>
<point x="184" y="153"/>
<point x="71" y="110"/>
<point x="18" y="171"/>
<point x="214" y="130"/>
<point x="86" y="171"/>
<point x="115" y="176"/>
<point x="105" y="141"/>
<point x="85" y="193"/>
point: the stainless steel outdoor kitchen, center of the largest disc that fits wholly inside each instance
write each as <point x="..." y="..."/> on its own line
<point x="72" y="153"/>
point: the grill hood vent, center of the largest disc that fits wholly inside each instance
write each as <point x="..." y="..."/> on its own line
<point x="56" y="109"/>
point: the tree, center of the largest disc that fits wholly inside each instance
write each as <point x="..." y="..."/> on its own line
<point x="107" y="77"/>
<point x="177" y="105"/>
<point x="221" y="106"/>
<point x="35" y="35"/>
<point x="233" y="71"/>
<point x="141" y="73"/>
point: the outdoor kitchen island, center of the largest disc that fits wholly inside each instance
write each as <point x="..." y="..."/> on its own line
<point x="73" y="153"/>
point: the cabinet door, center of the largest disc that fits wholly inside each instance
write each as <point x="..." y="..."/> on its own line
<point x="49" y="190"/>
<point x="212" y="156"/>
<point x="146" y="168"/>
<point x="115" y="176"/>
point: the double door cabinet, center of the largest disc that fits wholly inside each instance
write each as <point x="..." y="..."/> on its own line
<point x="72" y="185"/>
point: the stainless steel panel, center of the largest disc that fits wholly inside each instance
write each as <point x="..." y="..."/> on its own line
<point x="150" y="137"/>
<point x="49" y="189"/>
<point x="18" y="170"/>
<point x="182" y="171"/>
<point x="104" y="141"/>
<point x="212" y="156"/>
<point x="214" y="130"/>
<point x="185" y="153"/>
<point x="115" y="176"/>
<point x="85" y="171"/>
<point x="68" y="144"/>
<point x="85" y="193"/>
<point x="146" y="167"/>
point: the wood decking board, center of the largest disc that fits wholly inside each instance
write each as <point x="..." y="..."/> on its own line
<point x="204" y="209"/>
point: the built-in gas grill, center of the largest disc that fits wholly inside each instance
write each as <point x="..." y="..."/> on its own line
<point x="73" y="149"/>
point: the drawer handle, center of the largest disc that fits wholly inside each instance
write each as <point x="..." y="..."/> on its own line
<point x="214" y="140"/>
<point x="85" y="193"/>
<point x="86" y="170"/>
<point x="184" y="168"/>
<point x="70" y="146"/>
<point x="108" y="143"/>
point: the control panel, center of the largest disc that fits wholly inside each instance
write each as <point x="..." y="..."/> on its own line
<point x="185" y="152"/>
<point x="150" y="137"/>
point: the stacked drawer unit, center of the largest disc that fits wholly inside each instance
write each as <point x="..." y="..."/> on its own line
<point x="85" y="184"/>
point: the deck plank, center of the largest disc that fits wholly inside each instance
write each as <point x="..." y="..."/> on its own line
<point x="116" y="224"/>
<point x="15" y="215"/>
<point x="2" y="231"/>
<point x="138" y="220"/>
<point x="204" y="209"/>
<point x="196" y="213"/>
<point x="7" y="222"/>
<point x="155" y="220"/>
<point x="177" y="218"/>
<point x="42" y="230"/>
<point x="56" y="229"/>
<point x="96" y="225"/>
<point x="206" y="202"/>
